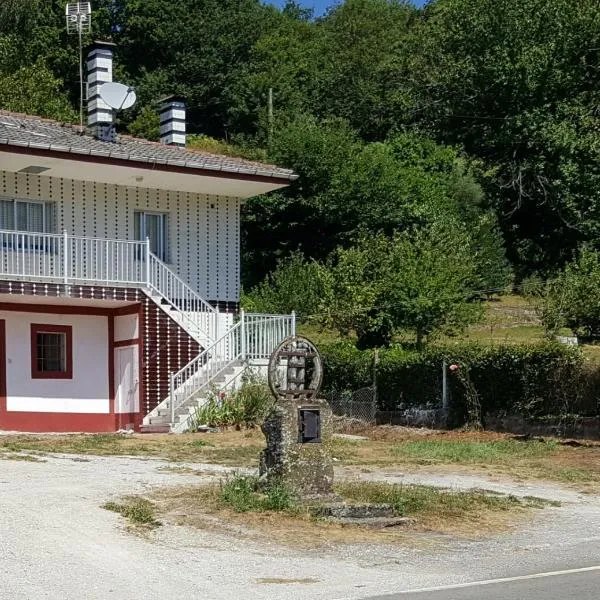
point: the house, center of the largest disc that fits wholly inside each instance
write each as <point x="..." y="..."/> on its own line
<point x="120" y="272"/>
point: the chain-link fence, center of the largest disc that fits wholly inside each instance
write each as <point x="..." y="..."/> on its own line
<point x="360" y="405"/>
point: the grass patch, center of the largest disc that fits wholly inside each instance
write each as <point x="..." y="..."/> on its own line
<point x="242" y="494"/>
<point x="138" y="511"/>
<point x="239" y="505"/>
<point x="429" y="505"/>
<point x="20" y="457"/>
<point x="227" y="448"/>
<point x="472" y="452"/>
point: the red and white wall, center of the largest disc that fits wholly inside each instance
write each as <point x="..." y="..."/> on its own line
<point x="123" y="349"/>
<point x="98" y="394"/>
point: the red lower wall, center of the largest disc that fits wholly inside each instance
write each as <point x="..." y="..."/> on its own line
<point x="56" y="422"/>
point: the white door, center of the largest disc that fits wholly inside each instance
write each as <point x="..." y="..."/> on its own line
<point x="127" y="396"/>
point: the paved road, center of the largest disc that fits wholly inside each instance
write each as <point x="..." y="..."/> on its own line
<point x="581" y="584"/>
<point x="57" y="543"/>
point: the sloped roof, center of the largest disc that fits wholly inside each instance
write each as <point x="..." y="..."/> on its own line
<point x="26" y="131"/>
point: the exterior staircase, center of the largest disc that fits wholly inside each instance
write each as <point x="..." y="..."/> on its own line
<point x="227" y="349"/>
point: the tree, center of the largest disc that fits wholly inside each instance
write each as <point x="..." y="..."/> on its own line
<point x="418" y="281"/>
<point x="347" y="188"/>
<point x="298" y="285"/>
<point x="360" y="40"/>
<point x="516" y="83"/>
<point x="572" y="300"/>
<point x="35" y="91"/>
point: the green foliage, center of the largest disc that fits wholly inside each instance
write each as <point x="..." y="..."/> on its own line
<point x="146" y="125"/>
<point x="247" y="406"/>
<point x="244" y="494"/>
<point x="420" y="281"/>
<point x="35" y="91"/>
<point x="296" y="285"/>
<point x="515" y="82"/>
<point x="571" y="300"/>
<point x="530" y="380"/>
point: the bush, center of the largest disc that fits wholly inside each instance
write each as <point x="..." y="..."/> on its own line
<point x="572" y="299"/>
<point x="530" y="380"/>
<point x="295" y="285"/>
<point x="247" y="406"/>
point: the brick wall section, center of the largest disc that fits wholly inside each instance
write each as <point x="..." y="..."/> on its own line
<point x="167" y="347"/>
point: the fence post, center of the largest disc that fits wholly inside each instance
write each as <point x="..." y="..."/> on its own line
<point x="294" y="323"/>
<point x="243" y="333"/>
<point x="65" y="257"/>
<point x="148" y="262"/>
<point x="444" y="385"/>
<point x="375" y="363"/>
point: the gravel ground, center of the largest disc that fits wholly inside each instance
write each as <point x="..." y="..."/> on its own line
<point x="57" y="542"/>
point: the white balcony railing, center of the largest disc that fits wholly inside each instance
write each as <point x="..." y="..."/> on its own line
<point x="71" y="260"/>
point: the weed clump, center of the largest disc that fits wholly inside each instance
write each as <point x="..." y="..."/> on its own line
<point x="245" y="407"/>
<point x="139" y="512"/>
<point x="245" y="494"/>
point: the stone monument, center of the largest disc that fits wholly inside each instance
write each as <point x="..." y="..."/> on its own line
<point x="298" y="429"/>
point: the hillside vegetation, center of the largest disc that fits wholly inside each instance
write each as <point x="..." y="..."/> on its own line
<point x="445" y="154"/>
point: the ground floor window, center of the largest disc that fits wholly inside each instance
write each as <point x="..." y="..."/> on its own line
<point x="51" y="351"/>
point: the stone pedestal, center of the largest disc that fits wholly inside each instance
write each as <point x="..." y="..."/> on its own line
<point x="298" y="452"/>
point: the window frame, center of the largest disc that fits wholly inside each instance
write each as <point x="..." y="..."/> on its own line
<point x="46" y="221"/>
<point x="67" y="331"/>
<point x="139" y="221"/>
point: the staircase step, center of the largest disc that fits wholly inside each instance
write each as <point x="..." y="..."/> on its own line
<point x="155" y="428"/>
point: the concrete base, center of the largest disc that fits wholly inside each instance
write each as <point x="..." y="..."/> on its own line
<point x="305" y="468"/>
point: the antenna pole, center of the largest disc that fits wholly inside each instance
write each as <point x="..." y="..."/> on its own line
<point x="79" y="21"/>
<point x="80" y="76"/>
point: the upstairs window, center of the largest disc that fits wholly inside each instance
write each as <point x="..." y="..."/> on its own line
<point x="154" y="226"/>
<point x="27" y="215"/>
<point x="51" y="352"/>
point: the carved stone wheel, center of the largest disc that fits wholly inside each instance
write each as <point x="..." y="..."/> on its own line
<point x="295" y="369"/>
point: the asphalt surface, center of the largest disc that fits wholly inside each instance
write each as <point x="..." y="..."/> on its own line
<point x="57" y="543"/>
<point x="579" y="585"/>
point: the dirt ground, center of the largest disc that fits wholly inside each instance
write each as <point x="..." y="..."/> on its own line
<point x="573" y="463"/>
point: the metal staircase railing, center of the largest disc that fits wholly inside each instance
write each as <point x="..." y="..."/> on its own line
<point x="253" y="337"/>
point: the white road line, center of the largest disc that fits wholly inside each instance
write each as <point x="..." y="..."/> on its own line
<point x="502" y="580"/>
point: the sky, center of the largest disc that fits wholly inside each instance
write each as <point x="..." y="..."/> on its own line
<point x="321" y="5"/>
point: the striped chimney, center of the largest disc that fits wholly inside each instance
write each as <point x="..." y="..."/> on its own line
<point x="100" y="71"/>
<point x="172" y="121"/>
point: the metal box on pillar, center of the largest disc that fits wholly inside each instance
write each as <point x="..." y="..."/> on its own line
<point x="298" y="429"/>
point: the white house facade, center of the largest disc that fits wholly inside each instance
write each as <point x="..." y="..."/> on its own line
<point x="120" y="277"/>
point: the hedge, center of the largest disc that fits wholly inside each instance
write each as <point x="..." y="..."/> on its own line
<point x="533" y="380"/>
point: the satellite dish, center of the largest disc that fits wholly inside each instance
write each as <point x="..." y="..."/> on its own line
<point x="117" y="95"/>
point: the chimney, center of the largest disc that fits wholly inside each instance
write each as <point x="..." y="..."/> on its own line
<point x="172" y="121"/>
<point x="100" y="71"/>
